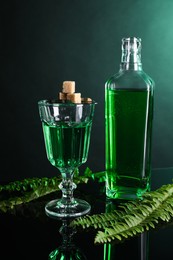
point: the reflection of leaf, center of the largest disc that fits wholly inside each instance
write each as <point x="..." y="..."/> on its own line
<point x="131" y="218"/>
<point x="99" y="176"/>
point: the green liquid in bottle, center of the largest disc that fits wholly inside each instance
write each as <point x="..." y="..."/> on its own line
<point x="128" y="115"/>
<point x="128" y="122"/>
<point x="67" y="146"/>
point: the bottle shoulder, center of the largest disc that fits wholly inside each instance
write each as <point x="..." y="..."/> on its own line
<point x="130" y="79"/>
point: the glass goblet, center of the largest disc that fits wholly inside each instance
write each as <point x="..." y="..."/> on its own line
<point x="66" y="129"/>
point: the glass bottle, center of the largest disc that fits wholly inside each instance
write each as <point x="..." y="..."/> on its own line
<point x="128" y="122"/>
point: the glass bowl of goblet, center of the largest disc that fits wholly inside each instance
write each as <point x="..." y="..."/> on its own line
<point x="67" y="130"/>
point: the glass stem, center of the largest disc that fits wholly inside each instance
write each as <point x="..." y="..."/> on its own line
<point x="67" y="233"/>
<point x="67" y="186"/>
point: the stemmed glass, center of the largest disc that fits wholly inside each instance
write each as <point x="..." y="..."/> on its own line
<point x="66" y="129"/>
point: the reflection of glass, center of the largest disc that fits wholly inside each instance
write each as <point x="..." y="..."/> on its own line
<point x="66" y="128"/>
<point x="136" y="248"/>
<point x="68" y="250"/>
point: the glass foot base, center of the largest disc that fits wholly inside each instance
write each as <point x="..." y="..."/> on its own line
<point x="56" y="209"/>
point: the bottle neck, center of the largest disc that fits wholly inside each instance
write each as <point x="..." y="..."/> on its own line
<point x="131" y="54"/>
<point x="130" y="61"/>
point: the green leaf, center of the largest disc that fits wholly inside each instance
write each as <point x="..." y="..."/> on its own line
<point x="131" y="218"/>
<point x="26" y="190"/>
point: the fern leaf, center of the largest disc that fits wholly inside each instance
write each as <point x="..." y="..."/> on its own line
<point x="131" y="218"/>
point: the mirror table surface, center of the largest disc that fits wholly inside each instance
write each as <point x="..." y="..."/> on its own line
<point x="27" y="233"/>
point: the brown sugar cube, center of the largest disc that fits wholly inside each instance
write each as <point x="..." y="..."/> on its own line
<point x="74" y="98"/>
<point x="68" y="87"/>
<point x="62" y="96"/>
<point x="86" y="100"/>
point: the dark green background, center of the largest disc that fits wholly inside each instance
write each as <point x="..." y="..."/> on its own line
<point x="44" y="43"/>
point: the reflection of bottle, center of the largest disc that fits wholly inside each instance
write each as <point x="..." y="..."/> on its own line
<point x="68" y="250"/>
<point x="128" y="115"/>
<point x="109" y="249"/>
<point x="135" y="248"/>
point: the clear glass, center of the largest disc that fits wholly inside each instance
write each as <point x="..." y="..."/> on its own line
<point x="128" y="121"/>
<point x="66" y="129"/>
